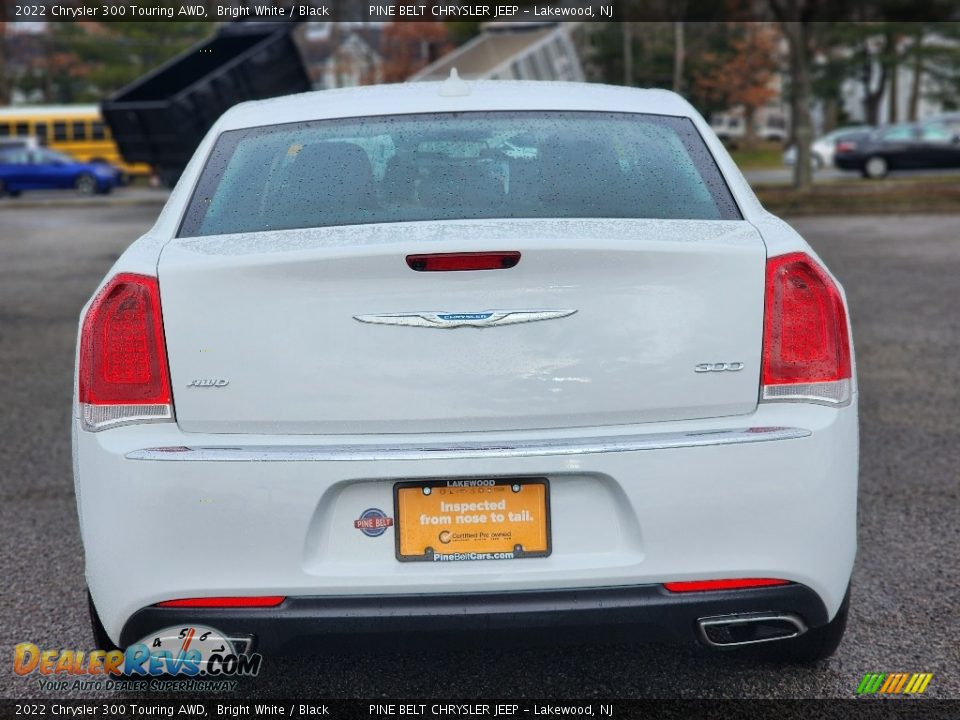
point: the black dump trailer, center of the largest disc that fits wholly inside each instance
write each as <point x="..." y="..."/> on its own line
<point x="161" y="118"/>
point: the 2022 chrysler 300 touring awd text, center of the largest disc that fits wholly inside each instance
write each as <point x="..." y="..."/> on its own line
<point x="413" y="357"/>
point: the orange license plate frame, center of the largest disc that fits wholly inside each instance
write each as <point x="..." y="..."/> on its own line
<point x="456" y="520"/>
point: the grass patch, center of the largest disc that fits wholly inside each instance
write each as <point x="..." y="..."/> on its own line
<point x="765" y="156"/>
<point x="929" y="195"/>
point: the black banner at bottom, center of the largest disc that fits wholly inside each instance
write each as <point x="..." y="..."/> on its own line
<point x="868" y="709"/>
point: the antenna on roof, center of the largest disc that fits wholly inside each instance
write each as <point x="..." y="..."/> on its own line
<point x="453" y="86"/>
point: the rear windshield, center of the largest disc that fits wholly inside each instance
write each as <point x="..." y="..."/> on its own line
<point x="471" y="165"/>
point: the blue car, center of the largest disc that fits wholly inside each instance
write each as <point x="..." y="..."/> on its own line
<point x="41" y="169"/>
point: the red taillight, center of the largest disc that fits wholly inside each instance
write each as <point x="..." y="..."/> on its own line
<point x="845" y="147"/>
<point x="806" y="349"/>
<point x="123" y="373"/>
<point x="225" y="602"/>
<point x="451" y="262"/>
<point x="707" y="585"/>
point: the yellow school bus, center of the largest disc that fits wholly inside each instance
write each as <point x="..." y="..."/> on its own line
<point x="77" y="130"/>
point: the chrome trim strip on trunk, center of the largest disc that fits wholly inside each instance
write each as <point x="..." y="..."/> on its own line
<point x="399" y="450"/>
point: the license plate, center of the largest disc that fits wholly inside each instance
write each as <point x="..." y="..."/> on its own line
<point x="463" y="520"/>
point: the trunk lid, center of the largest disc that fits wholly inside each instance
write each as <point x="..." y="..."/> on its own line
<point x="262" y="334"/>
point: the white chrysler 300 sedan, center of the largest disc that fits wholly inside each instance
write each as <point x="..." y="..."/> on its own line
<point x="469" y="356"/>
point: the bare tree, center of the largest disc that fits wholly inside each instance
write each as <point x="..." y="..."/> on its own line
<point x="893" y="71"/>
<point x="4" y="78"/>
<point x="796" y="20"/>
<point x="917" y="69"/>
<point x="878" y="70"/>
<point x="627" y="29"/>
<point x="679" y="56"/>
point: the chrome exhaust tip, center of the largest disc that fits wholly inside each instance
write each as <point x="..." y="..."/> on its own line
<point x="729" y="631"/>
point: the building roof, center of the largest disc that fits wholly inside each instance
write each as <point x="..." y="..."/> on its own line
<point x="484" y="54"/>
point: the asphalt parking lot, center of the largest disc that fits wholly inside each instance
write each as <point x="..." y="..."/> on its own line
<point x="902" y="275"/>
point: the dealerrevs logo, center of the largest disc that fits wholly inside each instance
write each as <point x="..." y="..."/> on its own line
<point x="186" y="652"/>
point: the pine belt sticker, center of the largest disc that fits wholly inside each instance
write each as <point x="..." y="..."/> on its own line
<point x="373" y="522"/>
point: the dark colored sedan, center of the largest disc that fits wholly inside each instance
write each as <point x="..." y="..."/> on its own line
<point x="899" y="147"/>
<point x="41" y="169"/>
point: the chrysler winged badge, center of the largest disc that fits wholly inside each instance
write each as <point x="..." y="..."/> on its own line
<point x="448" y="320"/>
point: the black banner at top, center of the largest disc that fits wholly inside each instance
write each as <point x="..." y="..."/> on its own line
<point x="473" y="11"/>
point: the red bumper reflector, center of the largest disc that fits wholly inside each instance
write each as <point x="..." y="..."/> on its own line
<point x="451" y="262"/>
<point x="707" y="585"/>
<point x="225" y="602"/>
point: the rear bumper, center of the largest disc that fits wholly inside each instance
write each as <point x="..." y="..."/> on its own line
<point x="645" y="611"/>
<point x="275" y="515"/>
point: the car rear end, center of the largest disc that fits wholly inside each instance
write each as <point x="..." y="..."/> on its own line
<point x="851" y="151"/>
<point x="442" y="370"/>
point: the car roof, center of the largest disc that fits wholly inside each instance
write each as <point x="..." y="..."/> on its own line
<point x="846" y="130"/>
<point x="425" y="97"/>
<point x="942" y="120"/>
<point x="15" y="111"/>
